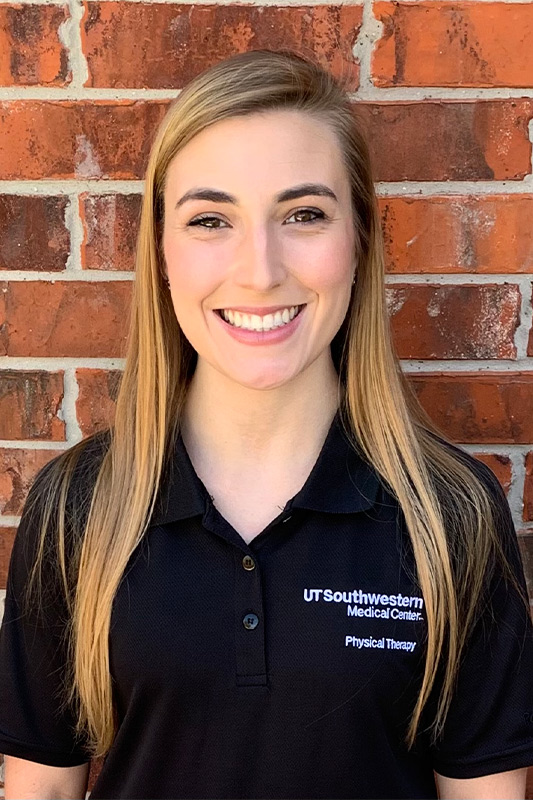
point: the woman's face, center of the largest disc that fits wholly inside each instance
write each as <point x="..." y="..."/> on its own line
<point x="245" y="248"/>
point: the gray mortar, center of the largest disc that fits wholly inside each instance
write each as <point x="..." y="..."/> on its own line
<point x="74" y="226"/>
<point x="67" y="410"/>
<point x="70" y="36"/>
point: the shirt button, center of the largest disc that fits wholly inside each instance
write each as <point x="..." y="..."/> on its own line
<point x="248" y="562"/>
<point x="250" y="621"/>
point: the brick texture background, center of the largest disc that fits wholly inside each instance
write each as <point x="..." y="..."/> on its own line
<point x="445" y="91"/>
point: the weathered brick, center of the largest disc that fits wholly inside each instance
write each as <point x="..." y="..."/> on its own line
<point x="18" y="468"/>
<point x="70" y="319"/>
<point x="110" y="224"/>
<point x="479" y="408"/>
<point x="30" y="48"/>
<point x="29" y="404"/>
<point x="525" y="542"/>
<point x="442" y="140"/>
<point x="454" y="44"/>
<point x="7" y="537"/>
<point x="430" y="140"/>
<point x="454" y="321"/>
<point x="482" y="234"/>
<point x="500" y="465"/>
<point x="96" y="768"/>
<point x="95" y="405"/>
<point x="156" y="45"/>
<point x="528" y="489"/>
<point x="65" y="139"/>
<point x="34" y="235"/>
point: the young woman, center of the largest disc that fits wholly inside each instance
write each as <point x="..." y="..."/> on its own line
<point x="270" y="578"/>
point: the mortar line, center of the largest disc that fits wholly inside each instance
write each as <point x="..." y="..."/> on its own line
<point x="67" y="411"/>
<point x="409" y="366"/>
<point x="9" y="521"/>
<point x="76" y="273"/>
<point x="70" y="36"/>
<point x="410" y="189"/>
<point x="30" y="444"/>
<point x="511" y="450"/>
<point x="70" y="273"/>
<point x="523" y="330"/>
<point x="74" y="227"/>
<point x="477" y="366"/>
<point x="515" y="496"/>
<point x="56" y="363"/>
<point x="521" y="279"/>
<point x="366" y="92"/>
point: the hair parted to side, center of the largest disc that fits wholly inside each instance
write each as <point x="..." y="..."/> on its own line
<point x="379" y="412"/>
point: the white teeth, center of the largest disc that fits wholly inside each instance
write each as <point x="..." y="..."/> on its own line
<point x="268" y="322"/>
<point x="254" y="322"/>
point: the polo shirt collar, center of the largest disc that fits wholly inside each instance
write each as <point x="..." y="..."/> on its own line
<point x="340" y="482"/>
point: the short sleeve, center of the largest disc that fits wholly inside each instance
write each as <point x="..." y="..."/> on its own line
<point x="489" y="728"/>
<point x="33" y="660"/>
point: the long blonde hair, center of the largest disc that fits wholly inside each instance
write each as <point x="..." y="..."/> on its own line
<point x="381" y="416"/>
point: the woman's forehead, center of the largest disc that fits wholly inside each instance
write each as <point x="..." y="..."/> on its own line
<point x="284" y="145"/>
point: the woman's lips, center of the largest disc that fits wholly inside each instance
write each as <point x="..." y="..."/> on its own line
<point x="272" y="336"/>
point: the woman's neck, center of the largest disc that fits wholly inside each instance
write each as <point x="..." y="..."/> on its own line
<point x="240" y="427"/>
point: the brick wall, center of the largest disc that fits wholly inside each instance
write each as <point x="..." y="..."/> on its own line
<point x="446" y="93"/>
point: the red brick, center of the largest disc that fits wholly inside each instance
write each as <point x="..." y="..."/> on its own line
<point x="29" y="405"/>
<point x="479" y="408"/>
<point x="483" y="234"/>
<point x="67" y="319"/>
<point x="96" y="768"/>
<point x="110" y="224"/>
<point x="454" y="44"/>
<point x="430" y="140"/>
<point x="18" y="468"/>
<point x="156" y="45"/>
<point x="30" y="49"/>
<point x="95" y="406"/>
<point x="525" y="542"/>
<point x="65" y="139"/>
<point x="500" y="465"/>
<point x="7" y="537"/>
<point x="454" y="321"/>
<point x="34" y="235"/>
<point x="442" y="140"/>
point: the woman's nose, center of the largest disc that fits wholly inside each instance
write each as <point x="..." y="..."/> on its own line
<point x="259" y="263"/>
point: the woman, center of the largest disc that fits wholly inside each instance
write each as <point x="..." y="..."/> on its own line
<point x="271" y="577"/>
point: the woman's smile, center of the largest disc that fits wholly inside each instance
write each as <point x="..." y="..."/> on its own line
<point x="256" y="330"/>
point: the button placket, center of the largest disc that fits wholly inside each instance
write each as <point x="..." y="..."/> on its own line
<point x="249" y="622"/>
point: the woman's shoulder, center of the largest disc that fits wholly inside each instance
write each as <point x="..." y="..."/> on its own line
<point x="80" y="460"/>
<point x="476" y="467"/>
<point x="71" y="474"/>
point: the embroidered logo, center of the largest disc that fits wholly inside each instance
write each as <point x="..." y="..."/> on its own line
<point x="371" y="604"/>
<point x="376" y="605"/>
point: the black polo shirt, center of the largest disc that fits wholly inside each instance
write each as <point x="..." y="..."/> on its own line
<point x="283" y="668"/>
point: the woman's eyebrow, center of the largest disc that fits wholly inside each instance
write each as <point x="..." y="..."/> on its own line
<point x="217" y="196"/>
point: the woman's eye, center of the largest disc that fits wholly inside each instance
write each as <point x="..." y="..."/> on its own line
<point x="318" y="215"/>
<point x="207" y="218"/>
<point x="197" y="221"/>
